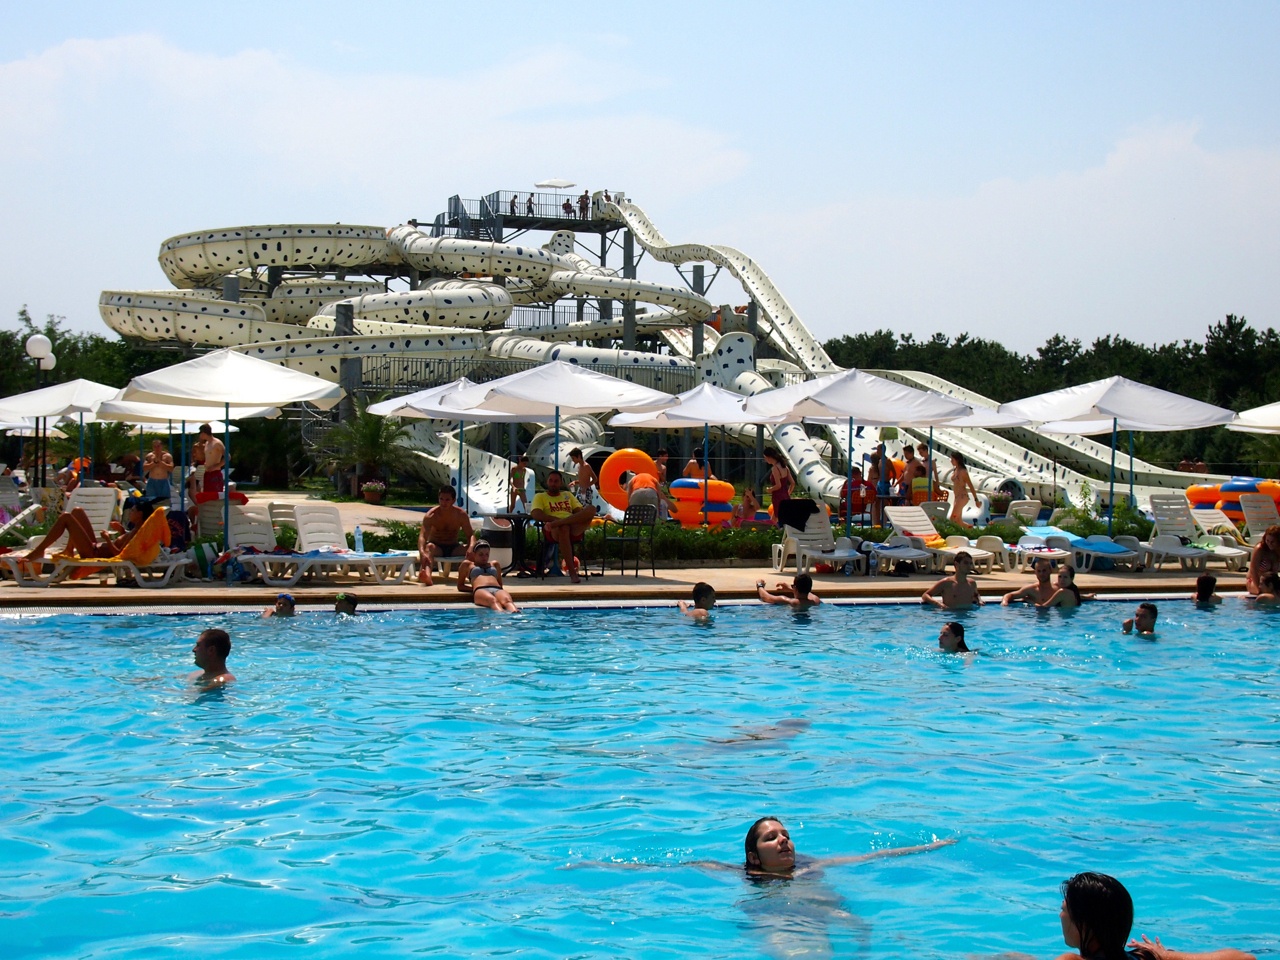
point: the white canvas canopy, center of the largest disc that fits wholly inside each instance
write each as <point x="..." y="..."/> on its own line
<point x="228" y="378"/>
<point x="1116" y="403"/>
<point x="703" y="405"/>
<point x="59" y="400"/>
<point x="1265" y="419"/>
<point x="425" y="405"/>
<point x="853" y="394"/>
<point x="130" y="411"/>
<point x="552" y="390"/>
<point x="1113" y="404"/>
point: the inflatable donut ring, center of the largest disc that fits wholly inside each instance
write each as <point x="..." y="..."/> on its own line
<point x="618" y="463"/>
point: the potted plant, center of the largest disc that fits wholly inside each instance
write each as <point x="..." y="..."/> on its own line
<point x="375" y="491"/>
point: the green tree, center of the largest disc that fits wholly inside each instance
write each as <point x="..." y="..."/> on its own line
<point x="370" y="444"/>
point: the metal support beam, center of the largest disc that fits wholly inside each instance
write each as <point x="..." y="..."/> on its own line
<point x="274" y="276"/>
<point x="628" y="306"/>
<point x="699" y="288"/>
<point x="231" y="289"/>
<point x="753" y="319"/>
<point x="349" y="368"/>
<point x="606" y="306"/>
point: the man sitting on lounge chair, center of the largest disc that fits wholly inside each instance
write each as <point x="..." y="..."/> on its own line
<point x="442" y="533"/>
<point x="563" y="518"/>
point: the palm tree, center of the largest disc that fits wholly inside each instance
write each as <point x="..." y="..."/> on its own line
<point x="368" y="443"/>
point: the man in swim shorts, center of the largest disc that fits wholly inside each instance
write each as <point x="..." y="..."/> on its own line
<point x="563" y="518"/>
<point x="1143" y="621"/>
<point x="210" y="653"/>
<point x="446" y="532"/>
<point x="957" y="590"/>
<point x="158" y="469"/>
<point x="1039" y="592"/>
<point x="215" y="459"/>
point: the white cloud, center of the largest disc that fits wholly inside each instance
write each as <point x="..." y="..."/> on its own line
<point x="1159" y="240"/>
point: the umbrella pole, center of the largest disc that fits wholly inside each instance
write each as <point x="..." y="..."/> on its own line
<point x="931" y="465"/>
<point x="706" y="470"/>
<point x="80" y="468"/>
<point x="848" y="488"/>
<point x="182" y="466"/>
<point x="1131" y="502"/>
<point x="1111" y="502"/>
<point x="555" y="465"/>
<point x="226" y="482"/>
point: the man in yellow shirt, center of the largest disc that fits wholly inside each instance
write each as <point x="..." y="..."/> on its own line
<point x="563" y="518"/>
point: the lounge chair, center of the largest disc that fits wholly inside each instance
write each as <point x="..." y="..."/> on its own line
<point x="898" y="548"/>
<point x="101" y="504"/>
<point x="1031" y="548"/>
<point x="1002" y="553"/>
<point x="11" y="502"/>
<point x="914" y="523"/>
<point x="145" y="560"/>
<point x="1173" y="518"/>
<point x="1166" y="547"/>
<point x="252" y="528"/>
<point x="323" y="544"/>
<point x="821" y="546"/>
<point x="1086" y="550"/>
<point x="1259" y="513"/>
<point x="1027" y="512"/>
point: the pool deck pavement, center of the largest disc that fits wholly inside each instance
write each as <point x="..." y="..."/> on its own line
<point x="669" y="585"/>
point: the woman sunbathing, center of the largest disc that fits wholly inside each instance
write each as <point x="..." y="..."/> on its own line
<point x="84" y="542"/>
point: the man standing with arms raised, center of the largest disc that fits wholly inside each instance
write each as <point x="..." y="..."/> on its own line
<point x="158" y="468"/>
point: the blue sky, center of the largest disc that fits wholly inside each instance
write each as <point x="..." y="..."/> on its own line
<point x="1007" y="170"/>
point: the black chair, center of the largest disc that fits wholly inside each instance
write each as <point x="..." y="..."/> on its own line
<point x="549" y="554"/>
<point x="638" y="521"/>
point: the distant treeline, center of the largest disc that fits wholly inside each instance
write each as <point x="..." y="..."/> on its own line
<point x="1236" y="366"/>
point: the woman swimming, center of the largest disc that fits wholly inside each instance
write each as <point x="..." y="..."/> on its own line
<point x="1068" y="594"/>
<point x="1097" y="915"/>
<point x="769" y="852"/>
<point x="483" y="580"/>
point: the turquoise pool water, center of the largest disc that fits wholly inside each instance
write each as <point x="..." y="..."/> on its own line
<point x="418" y="783"/>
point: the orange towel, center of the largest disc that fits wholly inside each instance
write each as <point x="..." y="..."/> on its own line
<point x="142" y="549"/>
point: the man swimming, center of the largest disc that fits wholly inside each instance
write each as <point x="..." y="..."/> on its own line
<point x="283" y="607"/>
<point x="1143" y="620"/>
<point x="1039" y="592"/>
<point x="704" y="599"/>
<point x="210" y="654"/>
<point x="798" y="594"/>
<point x="957" y="590"/>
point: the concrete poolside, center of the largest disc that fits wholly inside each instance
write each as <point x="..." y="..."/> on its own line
<point x="735" y="581"/>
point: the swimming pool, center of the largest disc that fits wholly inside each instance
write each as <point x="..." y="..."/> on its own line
<point x="418" y="782"/>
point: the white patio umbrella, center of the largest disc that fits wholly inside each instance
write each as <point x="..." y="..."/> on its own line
<point x="231" y="379"/>
<point x="854" y="396"/>
<point x="554" y="184"/>
<point x="704" y="405"/>
<point x="1113" y="404"/>
<point x="1265" y="419"/>
<point x="552" y="389"/>
<point x="73" y="398"/>
<point x="190" y="416"/>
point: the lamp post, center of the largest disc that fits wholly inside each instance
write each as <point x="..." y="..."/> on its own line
<point x="40" y="349"/>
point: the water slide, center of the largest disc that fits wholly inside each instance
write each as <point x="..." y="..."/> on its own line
<point x="460" y="312"/>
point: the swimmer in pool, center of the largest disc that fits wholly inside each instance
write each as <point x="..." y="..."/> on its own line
<point x="1206" y="584"/>
<point x="951" y="638"/>
<point x="345" y="604"/>
<point x="769" y="852"/>
<point x="1038" y="592"/>
<point x="704" y="598"/>
<point x="283" y="607"/>
<point x="1097" y="915"/>
<point x="210" y="653"/>
<point x="483" y="580"/>
<point x="956" y="590"/>
<point x="1269" y="594"/>
<point x="1143" y="621"/>
<point x="774" y="732"/>
<point x="1068" y="594"/>
<point x="798" y="594"/>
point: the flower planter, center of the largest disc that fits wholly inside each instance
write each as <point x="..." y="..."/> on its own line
<point x="375" y="496"/>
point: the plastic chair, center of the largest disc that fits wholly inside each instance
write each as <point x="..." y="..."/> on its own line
<point x="637" y="521"/>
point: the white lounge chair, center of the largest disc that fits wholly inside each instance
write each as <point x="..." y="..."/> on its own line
<point x="1001" y="551"/>
<point x="821" y="546"/>
<point x="322" y="538"/>
<point x="102" y="506"/>
<point x="898" y="548"/>
<point x="252" y="528"/>
<point x="1026" y="512"/>
<point x="1032" y="548"/>
<point x="1084" y="551"/>
<point x="1173" y="518"/>
<point x="914" y="523"/>
<point x="1165" y="547"/>
<point x="1259" y="513"/>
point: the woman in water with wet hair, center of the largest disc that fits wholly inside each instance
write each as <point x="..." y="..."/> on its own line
<point x="769" y="852"/>
<point x="1097" y="915"/>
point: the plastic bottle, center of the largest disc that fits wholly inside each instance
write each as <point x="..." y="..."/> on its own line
<point x="359" y="539"/>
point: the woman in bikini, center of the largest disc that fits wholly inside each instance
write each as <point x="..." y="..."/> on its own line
<point x="961" y="488"/>
<point x="1266" y="559"/>
<point x="1068" y="594"/>
<point x="483" y="580"/>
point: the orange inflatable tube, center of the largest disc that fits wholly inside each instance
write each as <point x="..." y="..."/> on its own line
<point x="626" y="460"/>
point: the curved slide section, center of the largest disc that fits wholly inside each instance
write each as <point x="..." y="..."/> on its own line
<point x="466" y="303"/>
<point x="198" y="259"/>
<point x="789" y="334"/>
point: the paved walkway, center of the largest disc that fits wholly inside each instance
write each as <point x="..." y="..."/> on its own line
<point x="670" y="584"/>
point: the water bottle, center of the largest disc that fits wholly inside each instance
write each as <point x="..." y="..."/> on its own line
<point x="359" y="539"/>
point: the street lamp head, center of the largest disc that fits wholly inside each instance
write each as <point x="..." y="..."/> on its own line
<point x="48" y="362"/>
<point x="39" y="346"/>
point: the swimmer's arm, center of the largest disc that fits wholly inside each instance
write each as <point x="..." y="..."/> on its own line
<point x="928" y="597"/>
<point x="1127" y="626"/>
<point x="635" y="865"/>
<point x="1016" y="596"/>
<point x="464" y="583"/>
<point x="1155" y="950"/>
<point x="766" y="597"/>
<point x="1054" y="601"/>
<point x="889" y="852"/>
